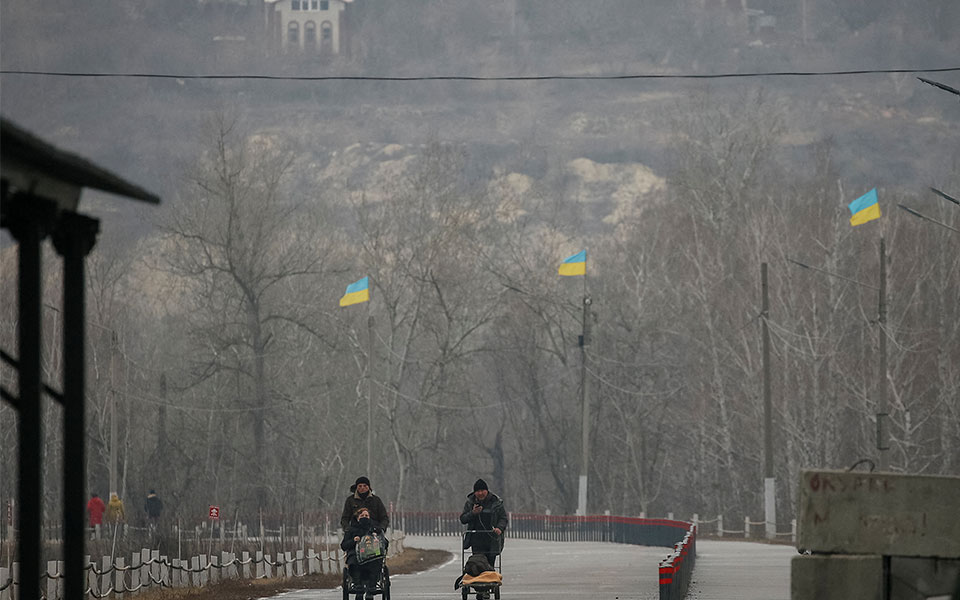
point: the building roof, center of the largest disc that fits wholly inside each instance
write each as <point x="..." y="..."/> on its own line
<point x="24" y="156"/>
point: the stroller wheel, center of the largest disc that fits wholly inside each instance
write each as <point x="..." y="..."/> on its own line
<point x="464" y="593"/>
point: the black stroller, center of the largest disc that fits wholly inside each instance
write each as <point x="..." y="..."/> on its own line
<point x="482" y="589"/>
<point x="374" y="587"/>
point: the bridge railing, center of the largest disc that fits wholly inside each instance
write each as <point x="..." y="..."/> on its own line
<point x="676" y="569"/>
<point x="558" y="528"/>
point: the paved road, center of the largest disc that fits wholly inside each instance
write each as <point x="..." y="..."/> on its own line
<point x="599" y="571"/>
<point x="735" y="570"/>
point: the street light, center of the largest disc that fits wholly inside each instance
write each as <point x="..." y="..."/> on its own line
<point x="585" y="405"/>
<point x="925" y="217"/>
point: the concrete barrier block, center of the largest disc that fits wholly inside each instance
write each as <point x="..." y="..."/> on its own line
<point x="879" y="513"/>
<point x="924" y="577"/>
<point x="836" y="577"/>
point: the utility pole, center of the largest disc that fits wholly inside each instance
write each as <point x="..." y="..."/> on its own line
<point x="585" y="404"/>
<point x="162" y="431"/>
<point x="883" y="446"/>
<point x="769" y="482"/>
<point x="370" y="324"/>
<point x="115" y="349"/>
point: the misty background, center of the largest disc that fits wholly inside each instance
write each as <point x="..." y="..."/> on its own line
<point x="213" y="319"/>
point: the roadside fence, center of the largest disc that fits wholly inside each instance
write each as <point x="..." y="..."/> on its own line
<point x="748" y="529"/>
<point x="148" y="568"/>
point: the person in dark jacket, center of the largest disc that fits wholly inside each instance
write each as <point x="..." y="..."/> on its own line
<point x="153" y="506"/>
<point x="484" y="511"/>
<point x="363" y="497"/>
<point x="363" y="575"/>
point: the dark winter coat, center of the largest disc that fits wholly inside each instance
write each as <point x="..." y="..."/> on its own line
<point x="492" y="514"/>
<point x="372" y="503"/>
<point x="153" y="506"/>
<point x="355" y="529"/>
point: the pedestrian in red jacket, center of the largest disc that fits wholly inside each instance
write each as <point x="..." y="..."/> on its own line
<point x="96" y="508"/>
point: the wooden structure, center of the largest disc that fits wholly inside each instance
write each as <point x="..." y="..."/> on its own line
<point x="40" y="189"/>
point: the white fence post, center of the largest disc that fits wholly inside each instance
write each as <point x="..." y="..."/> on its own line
<point x="155" y="567"/>
<point x="245" y="556"/>
<point x="195" y="571"/>
<point x="746" y="527"/>
<point x="793" y="530"/>
<point x="105" y="577"/>
<point x="137" y="572"/>
<point x="118" y="579"/>
<point x="259" y="564"/>
<point x="91" y="576"/>
<point x="51" y="580"/>
<point x="164" y="571"/>
<point x="719" y="525"/>
<point x="214" y="571"/>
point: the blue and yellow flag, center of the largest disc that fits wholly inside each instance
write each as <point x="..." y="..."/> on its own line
<point x="865" y="208"/>
<point x="357" y="292"/>
<point x="574" y="265"/>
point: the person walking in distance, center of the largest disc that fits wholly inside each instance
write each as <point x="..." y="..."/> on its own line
<point x="115" y="514"/>
<point x="96" y="508"/>
<point x="153" y="506"/>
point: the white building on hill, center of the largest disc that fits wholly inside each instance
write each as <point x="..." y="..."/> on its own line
<point x="306" y="26"/>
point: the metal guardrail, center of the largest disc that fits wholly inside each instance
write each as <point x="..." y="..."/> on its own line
<point x="677" y="569"/>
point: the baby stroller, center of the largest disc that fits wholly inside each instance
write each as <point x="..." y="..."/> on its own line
<point x="371" y="556"/>
<point x="482" y="585"/>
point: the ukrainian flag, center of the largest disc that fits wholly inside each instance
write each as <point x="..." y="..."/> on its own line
<point x="865" y="208"/>
<point x="357" y="292"/>
<point x="574" y="265"/>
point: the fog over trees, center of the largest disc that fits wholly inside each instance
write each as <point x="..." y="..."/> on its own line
<point x="213" y="320"/>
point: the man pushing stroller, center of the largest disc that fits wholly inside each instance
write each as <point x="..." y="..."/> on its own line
<point x="486" y="519"/>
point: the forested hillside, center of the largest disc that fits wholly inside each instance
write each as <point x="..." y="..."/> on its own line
<point x="214" y="322"/>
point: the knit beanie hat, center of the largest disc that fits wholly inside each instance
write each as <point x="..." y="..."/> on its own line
<point x="361" y="479"/>
<point x="480" y="485"/>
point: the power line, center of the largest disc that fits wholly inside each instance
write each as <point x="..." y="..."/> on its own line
<point x="475" y="77"/>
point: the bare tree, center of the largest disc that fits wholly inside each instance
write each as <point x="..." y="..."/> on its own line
<point x="237" y="238"/>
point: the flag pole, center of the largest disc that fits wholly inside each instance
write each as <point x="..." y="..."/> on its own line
<point x="370" y="324"/>
<point x="882" y="415"/>
<point x="584" y="401"/>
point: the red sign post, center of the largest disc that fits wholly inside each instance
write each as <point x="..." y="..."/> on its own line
<point x="214" y="512"/>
